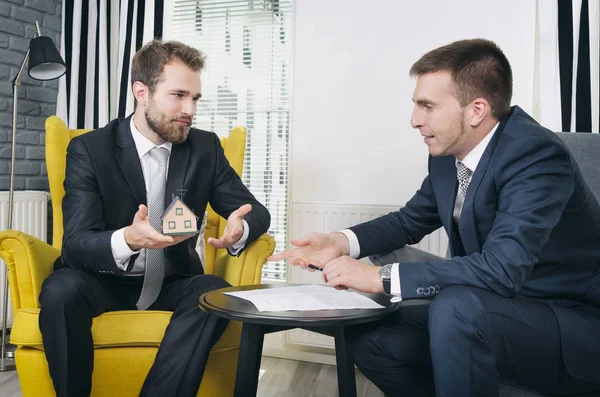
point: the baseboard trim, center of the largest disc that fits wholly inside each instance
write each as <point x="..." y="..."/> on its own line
<point x="299" y="355"/>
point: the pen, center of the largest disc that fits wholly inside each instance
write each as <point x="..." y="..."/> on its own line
<point x="310" y="265"/>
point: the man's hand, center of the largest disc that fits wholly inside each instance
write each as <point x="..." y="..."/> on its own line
<point x="234" y="229"/>
<point x="345" y="272"/>
<point x="140" y="234"/>
<point x="316" y="249"/>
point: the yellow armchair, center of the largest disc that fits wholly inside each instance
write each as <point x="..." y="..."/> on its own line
<point x="123" y="352"/>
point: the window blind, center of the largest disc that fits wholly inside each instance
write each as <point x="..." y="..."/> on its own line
<point x="245" y="82"/>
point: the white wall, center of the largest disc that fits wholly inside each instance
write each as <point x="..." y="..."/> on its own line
<point x="351" y="140"/>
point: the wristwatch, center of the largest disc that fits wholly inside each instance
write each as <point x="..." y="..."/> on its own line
<point x="386" y="278"/>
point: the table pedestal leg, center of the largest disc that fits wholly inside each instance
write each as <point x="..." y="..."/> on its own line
<point x="246" y="379"/>
<point x="344" y="355"/>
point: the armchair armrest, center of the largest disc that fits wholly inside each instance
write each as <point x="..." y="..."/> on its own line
<point x="246" y="268"/>
<point x="29" y="262"/>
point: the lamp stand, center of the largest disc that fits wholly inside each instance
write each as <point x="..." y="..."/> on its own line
<point x="6" y="363"/>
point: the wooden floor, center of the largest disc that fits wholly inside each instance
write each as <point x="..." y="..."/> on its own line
<point x="279" y="378"/>
<point x="9" y="384"/>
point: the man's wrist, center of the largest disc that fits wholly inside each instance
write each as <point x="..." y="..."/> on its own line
<point x="341" y="242"/>
<point x="379" y="285"/>
<point x="126" y="236"/>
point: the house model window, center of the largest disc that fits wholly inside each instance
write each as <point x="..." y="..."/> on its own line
<point x="178" y="219"/>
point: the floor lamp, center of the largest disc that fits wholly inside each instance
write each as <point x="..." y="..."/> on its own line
<point x="45" y="63"/>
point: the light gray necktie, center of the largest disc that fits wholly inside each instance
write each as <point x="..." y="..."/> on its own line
<point x="463" y="174"/>
<point x="155" y="259"/>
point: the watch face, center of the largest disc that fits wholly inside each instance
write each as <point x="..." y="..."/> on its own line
<point x="386" y="271"/>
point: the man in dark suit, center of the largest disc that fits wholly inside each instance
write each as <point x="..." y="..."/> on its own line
<point x="118" y="181"/>
<point x="520" y="297"/>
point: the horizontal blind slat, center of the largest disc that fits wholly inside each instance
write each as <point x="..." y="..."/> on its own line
<point x="245" y="82"/>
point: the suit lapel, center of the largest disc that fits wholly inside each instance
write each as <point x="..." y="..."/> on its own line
<point x="466" y="224"/>
<point x="450" y="186"/>
<point x="178" y="163"/>
<point x="128" y="159"/>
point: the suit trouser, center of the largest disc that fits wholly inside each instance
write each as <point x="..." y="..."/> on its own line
<point x="462" y="343"/>
<point x="70" y="299"/>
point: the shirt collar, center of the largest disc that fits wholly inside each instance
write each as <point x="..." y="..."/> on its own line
<point x="471" y="160"/>
<point x="143" y="144"/>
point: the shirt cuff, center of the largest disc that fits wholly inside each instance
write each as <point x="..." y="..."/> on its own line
<point x="396" y="289"/>
<point x="237" y="247"/>
<point x="354" y="245"/>
<point x="120" y="250"/>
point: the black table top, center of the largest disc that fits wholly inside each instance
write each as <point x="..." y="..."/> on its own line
<point x="234" y="308"/>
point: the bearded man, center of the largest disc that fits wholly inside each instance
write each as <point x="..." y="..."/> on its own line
<point x="114" y="257"/>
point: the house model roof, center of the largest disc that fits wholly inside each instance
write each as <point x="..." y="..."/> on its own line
<point x="174" y="201"/>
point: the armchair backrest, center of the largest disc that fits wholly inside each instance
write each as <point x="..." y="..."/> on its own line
<point x="585" y="148"/>
<point x="58" y="136"/>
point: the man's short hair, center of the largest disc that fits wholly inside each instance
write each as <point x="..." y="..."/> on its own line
<point x="479" y="69"/>
<point x="148" y="63"/>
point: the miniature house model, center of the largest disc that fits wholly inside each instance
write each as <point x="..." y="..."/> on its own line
<point x="179" y="219"/>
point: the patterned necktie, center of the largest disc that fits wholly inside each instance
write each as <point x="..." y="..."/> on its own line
<point x="464" y="177"/>
<point x="155" y="259"/>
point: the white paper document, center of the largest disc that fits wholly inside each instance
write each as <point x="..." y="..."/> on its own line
<point x="305" y="297"/>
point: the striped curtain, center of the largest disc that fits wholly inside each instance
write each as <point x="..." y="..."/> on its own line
<point x="98" y="42"/>
<point x="579" y="59"/>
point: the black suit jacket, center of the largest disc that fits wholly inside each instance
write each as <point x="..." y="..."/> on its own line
<point x="104" y="186"/>
<point x="530" y="226"/>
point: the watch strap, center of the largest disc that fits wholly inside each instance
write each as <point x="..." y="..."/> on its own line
<point x="387" y="285"/>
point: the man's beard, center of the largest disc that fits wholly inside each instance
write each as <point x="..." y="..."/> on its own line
<point x="461" y="133"/>
<point x="165" y="128"/>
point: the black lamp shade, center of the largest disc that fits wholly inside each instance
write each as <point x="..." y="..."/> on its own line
<point x="45" y="62"/>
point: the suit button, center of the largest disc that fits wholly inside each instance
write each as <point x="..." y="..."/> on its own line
<point x="420" y="291"/>
<point x="437" y="289"/>
<point x="431" y="290"/>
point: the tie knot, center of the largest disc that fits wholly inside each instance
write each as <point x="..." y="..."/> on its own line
<point x="160" y="155"/>
<point x="462" y="171"/>
<point x="463" y="174"/>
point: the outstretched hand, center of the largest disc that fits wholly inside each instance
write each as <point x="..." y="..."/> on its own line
<point x="140" y="234"/>
<point x="234" y="229"/>
<point x="315" y="248"/>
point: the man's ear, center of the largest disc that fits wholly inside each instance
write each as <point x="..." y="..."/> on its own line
<point x="480" y="109"/>
<point x="140" y="92"/>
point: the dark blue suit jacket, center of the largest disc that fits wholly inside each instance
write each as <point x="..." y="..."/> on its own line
<point x="530" y="227"/>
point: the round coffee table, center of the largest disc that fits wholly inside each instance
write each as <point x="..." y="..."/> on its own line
<point x="256" y="324"/>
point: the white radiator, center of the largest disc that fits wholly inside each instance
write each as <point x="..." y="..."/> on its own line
<point x="327" y="217"/>
<point x="30" y="215"/>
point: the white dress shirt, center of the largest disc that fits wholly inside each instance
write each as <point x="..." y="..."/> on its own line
<point x="120" y="250"/>
<point x="471" y="160"/>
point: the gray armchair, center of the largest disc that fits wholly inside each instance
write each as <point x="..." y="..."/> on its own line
<point x="586" y="149"/>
